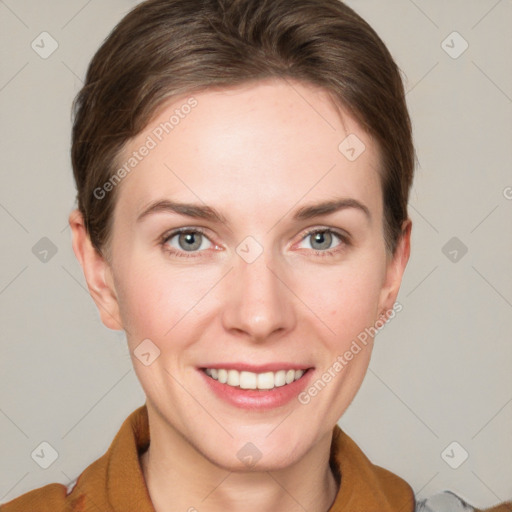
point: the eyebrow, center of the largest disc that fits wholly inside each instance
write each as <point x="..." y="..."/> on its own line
<point x="328" y="207"/>
<point x="208" y="213"/>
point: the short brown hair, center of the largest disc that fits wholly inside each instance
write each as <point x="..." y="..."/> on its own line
<point x="165" y="48"/>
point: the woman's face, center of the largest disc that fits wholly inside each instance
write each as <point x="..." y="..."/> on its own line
<point x="247" y="288"/>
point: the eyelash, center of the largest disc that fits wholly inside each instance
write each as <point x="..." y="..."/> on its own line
<point x="193" y="254"/>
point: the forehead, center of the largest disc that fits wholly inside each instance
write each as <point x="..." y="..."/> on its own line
<point x="254" y="145"/>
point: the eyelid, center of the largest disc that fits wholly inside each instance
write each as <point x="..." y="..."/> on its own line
<point x="337" y="231"/>
<point x="187" y="229"/>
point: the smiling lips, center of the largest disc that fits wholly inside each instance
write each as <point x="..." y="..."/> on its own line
<point x="251" y="380"/>
<point x="257" y="387"/>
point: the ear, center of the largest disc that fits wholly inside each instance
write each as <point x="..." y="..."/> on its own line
<point x="395" y="269"/>
<point x="97" y="273"/>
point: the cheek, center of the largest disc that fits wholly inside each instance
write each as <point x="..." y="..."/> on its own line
<point x="347" y="299"/>
<point x="154" y="300"/>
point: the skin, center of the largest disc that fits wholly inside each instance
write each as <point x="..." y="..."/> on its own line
<point x="255" y="153"/>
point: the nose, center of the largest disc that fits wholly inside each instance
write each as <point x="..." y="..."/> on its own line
<point x="258" y="303"/>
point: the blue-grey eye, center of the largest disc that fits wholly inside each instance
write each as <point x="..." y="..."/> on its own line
<point x="322" y="239"/>
<point x="188" y="241"/>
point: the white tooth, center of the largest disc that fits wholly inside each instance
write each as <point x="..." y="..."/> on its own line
<point x="233" y="378"/>
<point x="266" y="380"/>
<point x="280" y="378"/>
<point x="248" y="380"/>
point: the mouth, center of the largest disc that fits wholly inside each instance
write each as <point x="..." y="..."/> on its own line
<point x="257" y="388"/>
<point x="263" y="381"/>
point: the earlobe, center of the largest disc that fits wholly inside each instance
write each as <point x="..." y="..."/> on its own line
<point x="396" y="268"/>
<point x="96" y="271"/>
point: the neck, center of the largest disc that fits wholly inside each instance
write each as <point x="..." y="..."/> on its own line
<point x="199" y="485"/>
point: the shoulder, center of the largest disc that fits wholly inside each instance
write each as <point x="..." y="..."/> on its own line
<point x="49" y="498"/>
<point x="111" y="482"/>
<point x="364" y="485"/>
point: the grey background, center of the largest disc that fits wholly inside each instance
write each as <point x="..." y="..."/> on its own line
<point x="441" y="370"/>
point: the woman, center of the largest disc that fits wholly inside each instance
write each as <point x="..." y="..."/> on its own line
<point x="243" y="170"/>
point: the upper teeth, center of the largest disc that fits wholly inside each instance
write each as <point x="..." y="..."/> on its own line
<point x="250" y="380"/>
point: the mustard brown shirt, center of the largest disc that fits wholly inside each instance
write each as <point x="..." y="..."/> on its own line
<point x="115" y="483"/>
